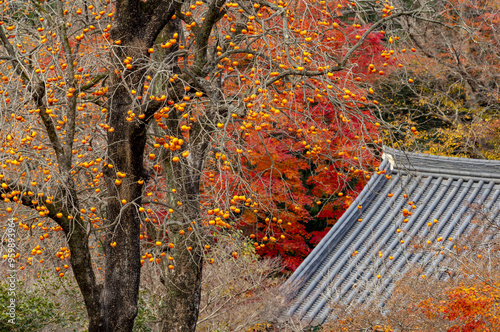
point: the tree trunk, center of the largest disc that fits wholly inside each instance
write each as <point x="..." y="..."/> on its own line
<point x="82" y="269"/>
<point x="125" y="153"/>
<point x="137" y="26"/>
<point x="183" y="289"/>
<point x="181" y="305"/>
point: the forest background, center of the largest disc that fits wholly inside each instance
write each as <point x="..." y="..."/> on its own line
<point x="170" y="163"/>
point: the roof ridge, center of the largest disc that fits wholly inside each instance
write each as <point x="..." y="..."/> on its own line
<point x="427" y="163"/>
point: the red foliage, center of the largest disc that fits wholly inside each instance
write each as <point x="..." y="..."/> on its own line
<point x="469" y="308"/>
<point x="295" y="163"/>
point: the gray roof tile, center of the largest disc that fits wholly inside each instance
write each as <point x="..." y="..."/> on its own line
<point x="442" y="188"/>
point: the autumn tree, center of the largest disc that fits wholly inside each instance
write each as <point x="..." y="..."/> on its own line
<point x="448" y="87"/>
<point x="118" y="117"/>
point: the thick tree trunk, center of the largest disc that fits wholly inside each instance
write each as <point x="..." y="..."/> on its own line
<point x="122" y="276"/>
<point x="126" y="144"/>
<point x="122" y="268"/>
<point x="136" y="26"/>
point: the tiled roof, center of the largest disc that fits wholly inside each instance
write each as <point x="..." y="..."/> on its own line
<point x="442" y="188"/>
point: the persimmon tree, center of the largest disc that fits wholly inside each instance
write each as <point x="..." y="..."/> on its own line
<point x="129" y="130"/>
<point x="290" y="171"/>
